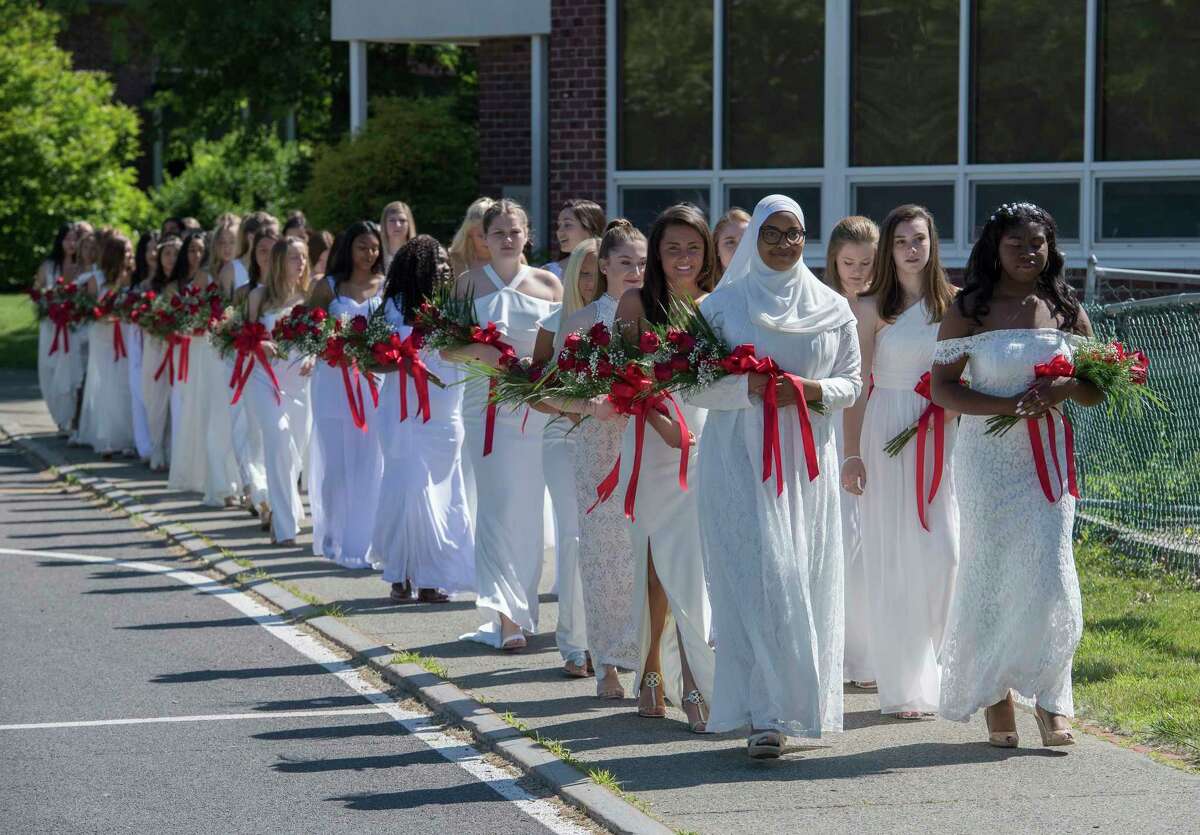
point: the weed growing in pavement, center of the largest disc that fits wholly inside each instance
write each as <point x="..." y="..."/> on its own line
<point x="242" y="561"/>
<point x="333" y="610"/>
<point x="247" y="577"/>
<point x="429" y="665"/>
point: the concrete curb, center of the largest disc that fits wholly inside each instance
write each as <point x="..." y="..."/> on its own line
<point x="445" y="699"/>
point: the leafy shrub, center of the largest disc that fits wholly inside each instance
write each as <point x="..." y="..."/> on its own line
<point x="420" y="150"/>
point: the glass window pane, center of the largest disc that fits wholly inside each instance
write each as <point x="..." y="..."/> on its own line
<point x="1149" y="209"/>
<point x="904" y="82"/>
<point x="876" y="201"/>
<point x="809" y="198"/>
<point x="1148" y="63"/>
<point x="642" y="205"/>
<point x="774" y="83"/>
<point x="1029" y="101"/>
<point x="1060" y="199"/>
<point x="664" y="83"/>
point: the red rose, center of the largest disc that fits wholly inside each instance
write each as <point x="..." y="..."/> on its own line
<point x="71" y="289"/>
<point x="565" y="362"/>
<point x="663" y="371"/>
<point x="682" y="340"/>
<point x="604" y="368"/>
<point x="1059" y="366"/>
<point x="599" y="334"/>
<point x="679" y="362"/>
<point x="359" y="324"/>
<point x="1140" y="370"/>
<point x="572" y="341"/>
<point x="648" y="342"/>
<point x="298" y="310"/>
<point x="150" y="295"/>
<point x="319" y="314"/>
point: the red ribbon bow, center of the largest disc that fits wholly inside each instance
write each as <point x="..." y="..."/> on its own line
<point x="60" y="315"/>
<point x="119" y="351"/>
<point x="937" y="415"/>
<point x="411" y="363"/>
<point x="491" y="335"/>
<point x="1059" y="366"/>
<point x="168" y="361"/>
<point x="185" y="350"/>
<point x="249" y="343"/>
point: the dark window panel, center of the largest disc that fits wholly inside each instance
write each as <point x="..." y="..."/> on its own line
<point x="904" y="91"/>
<point x="1148" y="80"/>
<point x="1149" y="209"/>
<point x="664" y="81"/>
<point x="774" y="83"/>
<point x="809" y="198"/>
<point x="876" y="201"/>
<point x="1028" y="101"/>
<point x="1060" y="199"/>
<point x="642" y="205"/>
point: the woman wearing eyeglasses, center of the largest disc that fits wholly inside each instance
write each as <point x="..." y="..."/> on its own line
<point x="773" y="548"/>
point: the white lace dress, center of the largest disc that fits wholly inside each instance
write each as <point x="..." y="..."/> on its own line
<point x="909" y="571"/>
<point x="1016" y="616"/>
<point x="775" y="562"/>
<point x="606" y="564"/>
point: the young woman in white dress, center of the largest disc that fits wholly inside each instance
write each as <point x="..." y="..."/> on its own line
<point x="849" y="258"/>
<point x="577" y="221"/>
<point x="70" y="373"/>
<point x="775" y="557"/>
<point x="397" y="226"/>
<point x="281" y="414"/>
<point x="55" y="385"/>
<point x="346" y="462"/>
<point x="909" y="541"/>
<point x="189" y="407"/>
<point x="1016" y="616"/>
<point x="48" y="272"/>
<point x="727" y="234"/>
<point x="670" y="596"/>
<point x="509" y="482"/>
<point x="106" y="421"/>
<point x="606" y="562"/>
<point x="559" y="445"/>
<point x="423" y="537"/>
<point x="145" y="263"/>
<point x="156" y="393"/>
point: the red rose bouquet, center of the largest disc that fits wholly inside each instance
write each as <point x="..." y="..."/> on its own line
<point x="107" y="309"/>
<point x="67" y="306"/>
<point x="303" y="330"/>
<point x="167" y="319"/>
<point x="447" y="321"/>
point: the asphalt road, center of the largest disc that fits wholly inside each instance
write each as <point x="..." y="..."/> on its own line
<point x="89" y="641"/>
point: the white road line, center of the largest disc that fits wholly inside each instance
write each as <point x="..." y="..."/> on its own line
<point x="208" y="717"/>
<point x="423" y="727"/>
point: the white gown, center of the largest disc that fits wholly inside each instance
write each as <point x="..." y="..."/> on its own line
<point x="856" y="658"/>
<point x="189" y="418"/>
<point x="559" y="449"/>
<point x="775" y="562"/>
<point x="66" y="370"/>
<point x="510" y="485"/>
<point x="909" y="571"/>
<point x="423" y="529"/>
<point x="1016" y="616"/>
<point x="222" y="479"/>
<point x="137" y="407"/>
<point x="106" y="421"/>
<point x="285" y="426"/>
<point x="156" y="395"/>
<point x="346" y="462"/>
<point x="85" y="430"/>
<point x="246" y="436"/>
<point x="47" y="275"/>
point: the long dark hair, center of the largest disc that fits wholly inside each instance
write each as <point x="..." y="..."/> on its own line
<point x="179" y="274"/>
<point x="413" y="274"/>
<point x="145" y="241"/>
<point x="341" y="260"/>
<point x="885" y="281"/>
<point x="656" y="295"/>
<point x="983" y="269"/>
<point x="112" y="257"/>
<point x="159" y="282"/>
<point x="265" y="230"/>
<point x="56" y="249"/>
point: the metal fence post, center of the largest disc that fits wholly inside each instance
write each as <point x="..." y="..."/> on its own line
<point x="1089" y="286"/>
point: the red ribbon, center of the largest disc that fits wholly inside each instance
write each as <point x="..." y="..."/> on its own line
<point x="1039" y="454"/>
<point x="249" y="343"/>
<point x="354" y="397"/>
<point x="168" y="361"/>
<point x="937" y="414"/>
<point x="60" y="315"/>
<point x="119" y="351"/>
<point x="185" y="346"/>
<point x="412" y="364"/>
<point x="490" y="335"/>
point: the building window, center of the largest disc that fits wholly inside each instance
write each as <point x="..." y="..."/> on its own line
<point x="1149" y="209"/>
<point x="1148" y="60"/>
<point x="875" y="201"/>
<point x="1061" y="200"/>
<point x="774" y="83"/>
<point x="1028" y="101"/>
<point x="809" y="198"/>
<point x="904" y="82"/>
<point x="642" y="205"/>
<point x="665" y="60"/>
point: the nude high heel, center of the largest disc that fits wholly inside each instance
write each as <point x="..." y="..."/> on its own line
<point x="1050" y="736"/>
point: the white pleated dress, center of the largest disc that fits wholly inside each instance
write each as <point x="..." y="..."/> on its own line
<point x="156" y="395"/>
<point x="106" y="420"/>
<point x="222" y="479"/>
<point x="510" y="485"/>
<point x="423" y="528"/>
<point x="189" y="419"/>
<point x="246" y="437"/>
<point x="285" y="424"/>
<point x="909" y="571"/>
<point x="775" y="561"/>
<point x="559" y="448"/>
<point x="346" y="462"/>
<point x="1016" y="616"/>
<point x="134" y="346"/>
<point x="856" y="657"/>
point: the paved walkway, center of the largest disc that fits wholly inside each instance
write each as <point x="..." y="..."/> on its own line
<point x="881" y="774"/>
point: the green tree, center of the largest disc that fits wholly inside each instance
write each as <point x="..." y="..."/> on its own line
<point x="66" y="147"/>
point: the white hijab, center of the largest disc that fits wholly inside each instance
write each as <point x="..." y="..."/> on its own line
<point x="792" y="301"/>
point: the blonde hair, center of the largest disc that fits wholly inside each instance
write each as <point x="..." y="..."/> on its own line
<point x="734" y="215"/>
<point x="855" y="229"/>
<point x="618" y="232"/>
<point x="274" y="280"/>
<point x="573" y="298"/>
<point x="459" y="251"/>
<point x="228" y="222"/>
<point x="403" y="208"/>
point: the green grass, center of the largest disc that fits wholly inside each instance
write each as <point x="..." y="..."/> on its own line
<point x="1137" y="669"/>
<point x="430" y="665"/>
<point x="18" y="332"/>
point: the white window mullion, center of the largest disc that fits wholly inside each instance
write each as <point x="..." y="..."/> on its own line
<point x="836" y="140"/>
<point x="610" y="110"/>
<point x="716" y="200"/>
<point x="1088" y="200"/>
<point x="962" y="196"/>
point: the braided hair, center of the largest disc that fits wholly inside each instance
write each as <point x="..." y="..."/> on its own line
<point x="415" y="271"/>
<point x="983" y="269"/>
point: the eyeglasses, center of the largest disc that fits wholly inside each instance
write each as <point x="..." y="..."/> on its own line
<point x="772" y="236"/>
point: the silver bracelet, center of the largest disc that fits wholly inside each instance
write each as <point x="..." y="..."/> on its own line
<point x="852" y="458"/>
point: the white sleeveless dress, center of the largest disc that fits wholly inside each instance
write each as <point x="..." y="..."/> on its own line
<point x="346" y="462"/>
<point x="909" y="571"/>
<point x="423" y="528"/>
<point x="1016" y="616"/>
<point x="134" y="345"/>
<point x="156" y="395"/>
<point x="775" y="561"/>
<point x="85" y="430"/>
<point x="66" y="371"/>
<point x="246" y="437"/>
<point x="222" y="478"/>
<point x="856" y="655"/>
<point x="189" y="418"/>
<point x="106" y="421"/>
<point x="559" y="447"/>
<point x="47" y="275"/>
<point x="510" y="485"/>
<point x="285" y="426"/>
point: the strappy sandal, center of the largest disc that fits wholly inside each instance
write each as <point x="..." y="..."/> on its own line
<point x="432" y="596"/>
<point x="401" y="593"/>
<point x="572" y="670"/>
<point x="765" y="745"/>
<point x="513" y="643"/>
<point x="696" y="699"/>
<point x="610" y="691"/>
<point x="909" y="715"/>
<point x="1051" y="737"/>
<point x="652" y="682"/>
<point x="999" y="739"/>
<point x="865" y="685"/>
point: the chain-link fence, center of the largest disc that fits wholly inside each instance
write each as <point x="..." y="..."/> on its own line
<point x="1140" y="477"/>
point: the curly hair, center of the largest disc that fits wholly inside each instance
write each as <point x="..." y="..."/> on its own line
<point x="983" y="269"/>
<point x="413" y="274"/>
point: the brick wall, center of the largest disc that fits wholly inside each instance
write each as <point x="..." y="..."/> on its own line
<point x="503" y="114"/>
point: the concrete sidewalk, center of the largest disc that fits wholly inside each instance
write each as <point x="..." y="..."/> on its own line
<point x="880" y="775"/>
